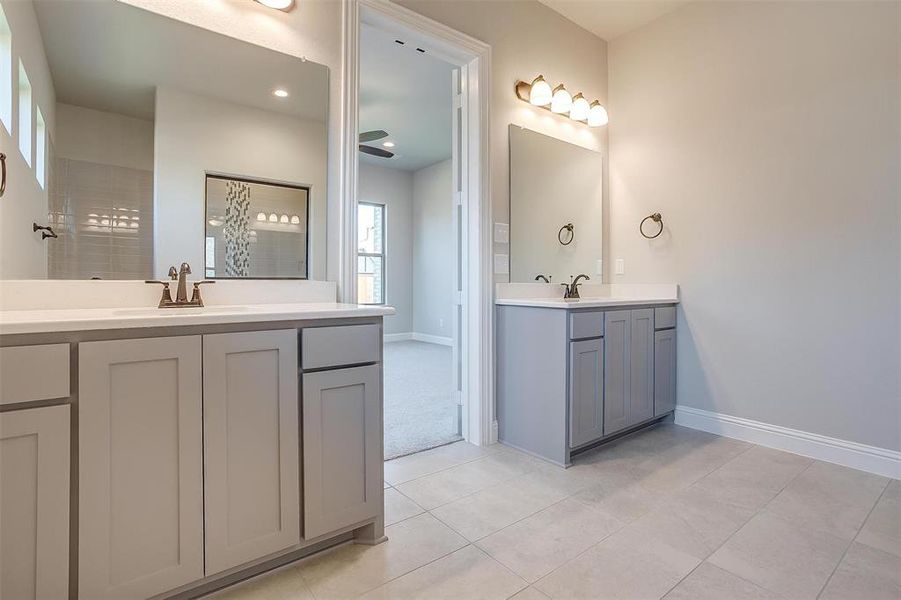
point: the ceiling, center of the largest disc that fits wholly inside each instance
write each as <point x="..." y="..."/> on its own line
<point x="408" y="94"/>
<point x="110" y="56"/>
<point x="609" y="19"/>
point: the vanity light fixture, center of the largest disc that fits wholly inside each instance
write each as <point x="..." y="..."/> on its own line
<point x="280" y="93"/>
<point x="284" y="5"/>
<point x="283" y="219"/>
<point x="261" y="216"/>
<point x="295" y="220"/>
<point x="558" y="100"/>
<point x="273" y="218"/>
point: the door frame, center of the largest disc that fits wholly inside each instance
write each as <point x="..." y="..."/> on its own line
<point x="474" y="58"/>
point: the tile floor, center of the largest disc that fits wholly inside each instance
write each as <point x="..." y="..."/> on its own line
<point x="668" y="513"/>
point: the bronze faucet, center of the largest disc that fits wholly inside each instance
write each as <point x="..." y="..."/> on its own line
<point x="181" y="294"/>
<point x="571" y="290"/>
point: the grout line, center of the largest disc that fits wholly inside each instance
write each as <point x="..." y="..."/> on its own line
<point x="464" y="462"/>
<point x="853" y="539"/>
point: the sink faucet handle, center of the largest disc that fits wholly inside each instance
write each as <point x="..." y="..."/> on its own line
<point x="185" y="268"/>
<point x="166" y="298"/>
<point x="566" y="290"/>
<point x="173" y="274"/>
<point x="195" y="295"/>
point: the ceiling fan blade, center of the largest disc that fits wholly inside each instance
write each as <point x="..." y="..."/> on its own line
<point x="371" y="136"/>
<point x="376" y="151"/>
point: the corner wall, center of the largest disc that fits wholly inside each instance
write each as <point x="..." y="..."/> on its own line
<point x="767" y="134"/>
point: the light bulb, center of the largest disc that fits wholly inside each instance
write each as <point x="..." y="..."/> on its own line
<point x="562" y="101"/>
<point x="540" y="94"/>
<point x="597" y="115"/>
<point x="580" y="108"/>
<point x="261" y="216"/>
<point x="273" y="218"/>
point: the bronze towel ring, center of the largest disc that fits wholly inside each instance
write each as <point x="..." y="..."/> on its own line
<point x="657" y="219"/>
<point x="3" y="175"/>
<point x="568" y="227"/>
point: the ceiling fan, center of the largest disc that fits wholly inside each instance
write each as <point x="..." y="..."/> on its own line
<point x="371" y="136"/>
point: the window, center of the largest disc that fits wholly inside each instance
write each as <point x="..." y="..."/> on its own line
<point x="370" y="253"/>
<point x="40" y="148"/>
<point x="6" y="73"/>
<point x="24" y="114"/>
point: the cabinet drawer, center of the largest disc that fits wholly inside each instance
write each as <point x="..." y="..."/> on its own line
<point x="323" y="347"/>
<point x="664" y="317"/>
<point x="586" y="325"/>
<point x="30" y="373"/>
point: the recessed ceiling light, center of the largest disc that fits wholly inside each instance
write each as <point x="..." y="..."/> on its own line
<point x="278" y="4"/>
<point x="280" y="93"/>
<point x="388" y="144"/>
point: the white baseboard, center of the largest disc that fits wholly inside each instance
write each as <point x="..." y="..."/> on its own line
<point x="398" y="337"/>
<point x="880" y="461"/>
<point x="432" y="339"/>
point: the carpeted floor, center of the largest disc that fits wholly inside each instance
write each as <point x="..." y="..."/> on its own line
<point x="420" y="409"/>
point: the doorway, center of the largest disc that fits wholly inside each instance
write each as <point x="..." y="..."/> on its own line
<point x="466" y="329"/>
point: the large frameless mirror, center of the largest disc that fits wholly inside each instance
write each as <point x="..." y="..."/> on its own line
<point x="156" y="142"/>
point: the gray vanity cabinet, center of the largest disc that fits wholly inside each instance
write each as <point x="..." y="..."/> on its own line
<point x="250" y="446"/>
<point x="140" y="491"/>
<point x="34" y="503"/>
<point x="664" y="371"/>
<point x="586" y="391"/>
<point x="628" y="368"/>
<point x="342" y="448"/>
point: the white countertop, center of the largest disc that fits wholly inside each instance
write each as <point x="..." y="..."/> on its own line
<point x="583" y="302"/>
<point x="84" y="319"/>
<point x="544" y="295"/>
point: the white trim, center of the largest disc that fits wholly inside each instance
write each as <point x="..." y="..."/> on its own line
<point x="432" y="339"/>
<point x="474" y="58"/>
<point x="880" y="461"/>
<point x="397" y="337"/>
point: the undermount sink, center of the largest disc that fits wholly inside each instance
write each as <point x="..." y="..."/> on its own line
<point x="150" y="312"/>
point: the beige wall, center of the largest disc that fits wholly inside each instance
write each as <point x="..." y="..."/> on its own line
<point x="527" y="38"/>
<point x="767" y="134"/>
<point x="103" y="137"/>
<point x="434" y="263"/>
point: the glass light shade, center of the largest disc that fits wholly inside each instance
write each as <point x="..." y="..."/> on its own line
<point x="261" y="216"/>
<point x="561" y="101"/>
<point x="597" y="115"/>
<point x="273" y="218"/>
<point x="277" y="4"/>
<point x="580" y="108"/>
<point x="540" y="94"/>
<point x="283" y="219"/>
<point x="295" y="220"/>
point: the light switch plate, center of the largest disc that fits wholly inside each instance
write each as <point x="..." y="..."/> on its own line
<point x="620" y="266"/>
<point x="502" y="233"/>
<point x="501" y="264"/>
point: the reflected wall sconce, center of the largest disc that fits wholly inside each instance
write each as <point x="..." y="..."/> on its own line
<point x="283" y="5"/>
<point x="558" y="100"/>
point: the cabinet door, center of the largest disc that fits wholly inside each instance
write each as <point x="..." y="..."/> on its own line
<point x="342" y="448"/>
<point x="664" y="372"/>
<point x="140" y="481"/>
<point x="617" y="378"/>
<point x="641" y="366"/>
<point x="586" y="393"/>
<point x="250" y="446"/>
<point x="34" y="503"/>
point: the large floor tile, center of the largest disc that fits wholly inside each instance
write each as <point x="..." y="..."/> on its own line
<point x="829" y="497"/>
<point x="537" y="545"/>
<point x="618" y="568"/>
<point x="753" y="478"/>
<point x="882" y="528"/>
<point x="865" y="573"/>
<point x="467" y="573"/>
<point x="775" y="554"/>
<point x="456" y="482"/>
<point x="407" y="468"/>
<point x="680" y="466"/>
<point x="354" y="569"/>
<point x="498" y="506"/>
<point x="398" y="507"/>
<point x="282" y="584"/>
<point x="621" y="495"/>
<point x="709" y="582"/>
<point x="689" y="522"/>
